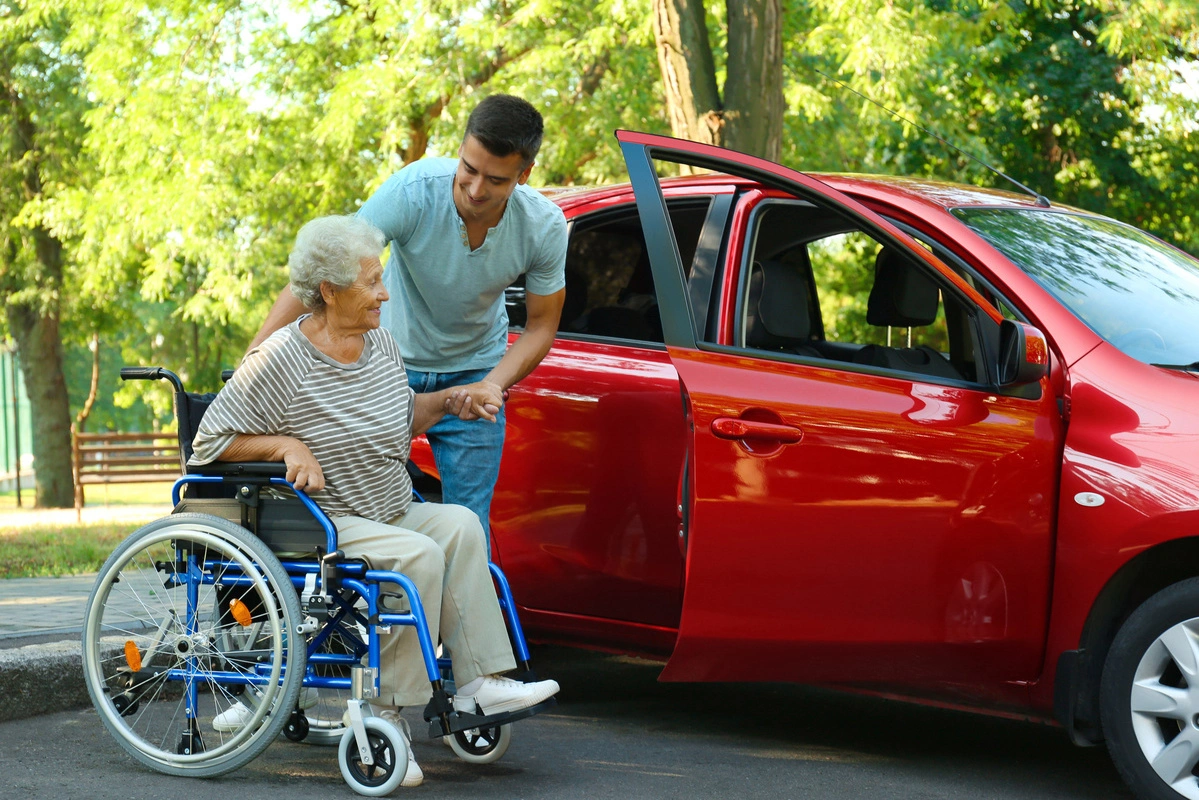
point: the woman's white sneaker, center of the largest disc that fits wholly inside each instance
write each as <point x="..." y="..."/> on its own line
<point x="232" y="718"/>
<point x="239" y="713"/>
<point x="501" y="695"/>
<point x="414" y="776"/>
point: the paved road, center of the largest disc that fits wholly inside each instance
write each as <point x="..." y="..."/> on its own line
<point x="618" y="734"/>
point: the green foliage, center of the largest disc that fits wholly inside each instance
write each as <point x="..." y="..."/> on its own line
<point x="185" y="142"/>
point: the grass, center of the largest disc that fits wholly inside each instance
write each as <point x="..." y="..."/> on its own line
<point x="116" y="494"/>
<point x="52" y="550"/>
<point x="41" y="551"/>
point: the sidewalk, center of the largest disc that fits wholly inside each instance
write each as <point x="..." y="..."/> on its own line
<point x="41" y="619"/>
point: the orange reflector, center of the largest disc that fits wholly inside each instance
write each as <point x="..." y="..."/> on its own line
<point x="132" y="657"/>
<point x="240" y="612"/>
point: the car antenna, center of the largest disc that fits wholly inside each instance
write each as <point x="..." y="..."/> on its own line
<point x="1041" y="200"/>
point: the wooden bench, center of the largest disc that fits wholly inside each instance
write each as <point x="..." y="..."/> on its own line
<point x="123" y="458"/>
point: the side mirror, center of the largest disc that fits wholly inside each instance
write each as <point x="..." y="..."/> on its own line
<point x="1023" y="354"/>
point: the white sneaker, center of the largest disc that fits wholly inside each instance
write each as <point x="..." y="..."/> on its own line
<point x="501" y="695"/>
<point x="414" y="776"/>
<point x="233" y="717"/>
<point x="239" y="713"/>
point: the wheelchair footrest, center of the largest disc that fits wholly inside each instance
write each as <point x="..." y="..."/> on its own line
<point x="463" y="721"/>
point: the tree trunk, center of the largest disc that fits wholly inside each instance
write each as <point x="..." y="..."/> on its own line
<point x="33" y="322"/>
<point x="93" y="389"/>
<point x="40" y="348"/>
<point x="688" y="71"/>
<point x="750" y="116"/>
<point x="753" y="90"/>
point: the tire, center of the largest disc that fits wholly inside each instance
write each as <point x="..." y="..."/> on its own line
<point x="389" y="751"/>
<point x="153" y="660"/>
<point x="325" y="726"/>
<point x="1149" y="696"/>
<point x="482" y="745"/>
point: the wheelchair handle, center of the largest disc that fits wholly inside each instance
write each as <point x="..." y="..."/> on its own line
<point x="151" y="374"/>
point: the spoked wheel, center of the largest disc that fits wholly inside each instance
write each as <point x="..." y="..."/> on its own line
<point x="167" y="657"/>
<point x="325" y="725"/>
<point x="1149" y="697"/>
<point x="482" y="745"/>
<point x="389" y="752"/>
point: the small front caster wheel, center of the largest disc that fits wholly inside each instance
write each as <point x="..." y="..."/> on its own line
<point x="389" y="751"/>
<point x="296" y="729"/>
<point x="482" y="745"/>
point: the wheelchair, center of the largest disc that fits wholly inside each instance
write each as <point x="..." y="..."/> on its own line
<point x="240" y="595"/>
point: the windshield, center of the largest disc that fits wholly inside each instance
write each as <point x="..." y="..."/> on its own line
<point x="1135" y="291"/>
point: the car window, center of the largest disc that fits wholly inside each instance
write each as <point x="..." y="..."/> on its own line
<point x="1135" y="291"/>
<point x="820" y="287"/>
<point x="609" y="284"/>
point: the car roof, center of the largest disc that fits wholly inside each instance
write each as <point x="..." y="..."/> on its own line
<point x="886" y="188"/>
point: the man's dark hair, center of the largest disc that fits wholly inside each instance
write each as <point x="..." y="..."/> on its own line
<point x="505" y="124"/>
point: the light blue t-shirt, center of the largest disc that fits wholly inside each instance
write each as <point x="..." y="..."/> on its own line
<point x="447" y="302"/>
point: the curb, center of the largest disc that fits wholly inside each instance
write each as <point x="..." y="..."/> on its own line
<point x="41" y="679"/>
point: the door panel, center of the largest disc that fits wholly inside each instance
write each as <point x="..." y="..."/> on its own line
<point x="584" y="514"/>
<point x="849" y="521"/>
<point x="892" y="531"/>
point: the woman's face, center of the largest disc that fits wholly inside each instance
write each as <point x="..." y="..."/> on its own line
<point x="356" y="307"/>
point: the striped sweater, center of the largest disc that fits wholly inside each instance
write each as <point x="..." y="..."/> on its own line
<point x="355" y="418"/>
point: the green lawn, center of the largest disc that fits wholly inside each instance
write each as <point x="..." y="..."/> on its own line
<point x="44" y="550"/>
<point x="54" y="550"/>
<point x="116" y="494"/>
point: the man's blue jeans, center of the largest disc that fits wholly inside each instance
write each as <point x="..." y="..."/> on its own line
<point x="467" y="453"/>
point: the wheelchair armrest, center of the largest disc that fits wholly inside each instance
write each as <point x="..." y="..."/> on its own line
<point x="242" y="469"/>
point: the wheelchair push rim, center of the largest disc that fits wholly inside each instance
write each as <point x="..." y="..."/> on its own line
<point x="156" y="667"/>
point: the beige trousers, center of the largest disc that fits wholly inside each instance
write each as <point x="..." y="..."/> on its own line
<point x="440" y="548"/>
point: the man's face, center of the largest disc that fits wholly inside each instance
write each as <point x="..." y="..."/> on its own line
<point x="485" y="181"/>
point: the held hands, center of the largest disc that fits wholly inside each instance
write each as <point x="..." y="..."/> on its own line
<point x="302" y="468"/>
<point x="481" y="400"/>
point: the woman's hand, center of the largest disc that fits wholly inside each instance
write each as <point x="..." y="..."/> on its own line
<point x="481" y="400"/>
<point x="303" y="471"/>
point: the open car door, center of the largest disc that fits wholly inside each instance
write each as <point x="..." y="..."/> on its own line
<point x="845" y="520"/>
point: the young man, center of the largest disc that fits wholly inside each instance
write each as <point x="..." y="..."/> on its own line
<point x="460" y="232"/>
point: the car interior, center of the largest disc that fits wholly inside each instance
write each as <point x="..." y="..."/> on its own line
<point x="818" y="287"/>
<point x="609" y="283"/>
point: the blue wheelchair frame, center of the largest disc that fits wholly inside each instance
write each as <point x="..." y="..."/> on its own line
<point x="365" y="582"/>
<point x="358" y="578"/>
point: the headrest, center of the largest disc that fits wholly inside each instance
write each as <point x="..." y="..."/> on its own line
<point x="903" y="296"/>
<point x="783" y="304"/>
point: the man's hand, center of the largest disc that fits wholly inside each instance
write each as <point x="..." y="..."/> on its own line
<point x="481" y="400"/>
<point x="302" y="468"/>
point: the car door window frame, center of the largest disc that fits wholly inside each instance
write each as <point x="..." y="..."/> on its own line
<point x="984" y="368"/>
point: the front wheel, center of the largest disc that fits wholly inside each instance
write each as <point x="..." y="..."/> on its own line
<point x="389" y="752"/>
<point x="1149" y="695"/>
<point x="482" y="745"/>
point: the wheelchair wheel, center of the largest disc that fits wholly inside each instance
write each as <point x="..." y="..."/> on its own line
<point x="188" y="622"/>
<point x="318" y="718"/>
<point x="389" y="752"/>
<point x="482" y="745"/>
<point x="325" y="725"/>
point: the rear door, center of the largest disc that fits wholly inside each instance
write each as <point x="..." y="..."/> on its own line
<point x="862" y="503"/>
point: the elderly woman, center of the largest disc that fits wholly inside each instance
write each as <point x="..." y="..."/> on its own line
<point x="328" y="396"/>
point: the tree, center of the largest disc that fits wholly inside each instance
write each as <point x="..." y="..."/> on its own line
<point x="747" y="115"/>
<point x="42" y="105"/>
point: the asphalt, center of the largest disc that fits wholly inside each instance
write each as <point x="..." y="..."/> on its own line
<point x="41" y="619"/>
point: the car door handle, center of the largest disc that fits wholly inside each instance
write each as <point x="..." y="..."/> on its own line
<point x="730" y="428"/>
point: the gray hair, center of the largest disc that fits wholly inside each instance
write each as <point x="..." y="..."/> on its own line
<point x="330" y="249"/>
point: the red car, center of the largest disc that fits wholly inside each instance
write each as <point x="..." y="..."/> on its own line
<point x="936" y="441"/>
